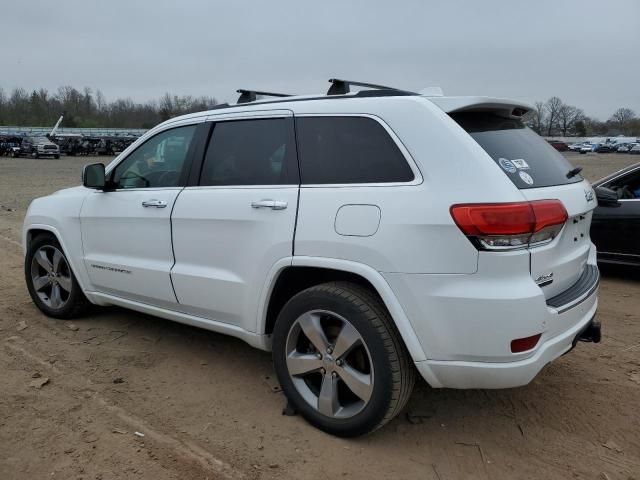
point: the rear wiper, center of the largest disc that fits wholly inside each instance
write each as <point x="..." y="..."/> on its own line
<point x="574" y="172"/>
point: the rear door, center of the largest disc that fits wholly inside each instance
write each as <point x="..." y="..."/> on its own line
<point x="237" y="221"/>
<point x="540" y="172"/>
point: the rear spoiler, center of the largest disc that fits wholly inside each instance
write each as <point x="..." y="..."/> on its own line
<point x="500" y="106"/>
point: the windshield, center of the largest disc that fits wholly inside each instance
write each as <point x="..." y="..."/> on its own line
<point x="528" y="160"/>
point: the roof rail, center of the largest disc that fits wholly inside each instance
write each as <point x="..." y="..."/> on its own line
<point x="247" y="96"/>
<point x="341" y="87"/>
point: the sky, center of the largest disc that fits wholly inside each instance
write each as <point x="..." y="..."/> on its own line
<point x="584" y="51"/>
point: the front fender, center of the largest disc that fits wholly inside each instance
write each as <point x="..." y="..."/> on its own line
<point x="60" y="214"/>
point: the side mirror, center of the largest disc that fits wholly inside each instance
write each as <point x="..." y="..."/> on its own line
<point x="606" y="197"/>
<point x="93" y="176"/>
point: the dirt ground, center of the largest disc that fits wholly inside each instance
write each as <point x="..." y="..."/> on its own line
<point x="206" y="411"/>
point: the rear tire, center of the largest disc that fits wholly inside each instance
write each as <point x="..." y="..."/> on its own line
<point x="51" y="283"/>
<point x="340" y="360"/>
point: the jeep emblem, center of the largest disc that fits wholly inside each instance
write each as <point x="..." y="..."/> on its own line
<point x="588" y="194"/>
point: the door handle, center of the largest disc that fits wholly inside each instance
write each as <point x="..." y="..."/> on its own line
<point x="154" y="203"/>
<point x="272" y="204"/>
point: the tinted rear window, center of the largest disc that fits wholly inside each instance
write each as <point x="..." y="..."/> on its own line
<point x="348" y="150"/>
<point x="525" y="157"/>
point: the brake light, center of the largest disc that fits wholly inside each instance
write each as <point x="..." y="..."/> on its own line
<point x="500" y="226"/>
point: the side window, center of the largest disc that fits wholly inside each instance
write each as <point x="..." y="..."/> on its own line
<point x="628" y="186"/>
<point x="348" y="150"/>
<point x="156" y="163"/>
<point x="251" y="152"/>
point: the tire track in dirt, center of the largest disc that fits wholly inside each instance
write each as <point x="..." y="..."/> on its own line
<point x="73" y="380"/>
<point x="11" y="241"/>
<point x="183" y="449"/>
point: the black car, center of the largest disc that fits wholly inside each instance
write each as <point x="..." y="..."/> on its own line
<point x="605" y="148"/>
<point x="615" y="228"/>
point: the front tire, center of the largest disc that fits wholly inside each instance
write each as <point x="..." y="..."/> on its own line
<point x="51" y="283"/>
<point x="340" y="359"/>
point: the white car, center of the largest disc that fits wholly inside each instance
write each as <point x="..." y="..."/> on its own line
<point x="587" y="148"/>
<point x="362" y="237"/>
<point x="624" y="148"/>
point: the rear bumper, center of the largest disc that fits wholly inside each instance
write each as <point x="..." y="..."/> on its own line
<point x="453" y="374"/>
<point x="465" y="323"/>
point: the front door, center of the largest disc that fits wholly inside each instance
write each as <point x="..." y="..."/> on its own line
<point x="238" y="222"/>
<point x="126" y="231"/>
<point x="616" y="230"/>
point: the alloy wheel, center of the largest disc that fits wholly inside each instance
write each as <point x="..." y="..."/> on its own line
<point x="51" y="276"/>
<point x="329" y="364"/>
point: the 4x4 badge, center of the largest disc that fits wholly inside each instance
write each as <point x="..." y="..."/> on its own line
<point x="544" y="279"/>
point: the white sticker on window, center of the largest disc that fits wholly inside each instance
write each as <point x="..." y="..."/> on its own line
<point x="526" y="178"/>
<point x="520" y="163"/>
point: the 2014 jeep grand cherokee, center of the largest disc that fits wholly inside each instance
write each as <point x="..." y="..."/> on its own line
<point x="362" y="237"/>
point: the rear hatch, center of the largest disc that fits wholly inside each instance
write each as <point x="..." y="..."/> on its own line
<point x="541" y="173"/>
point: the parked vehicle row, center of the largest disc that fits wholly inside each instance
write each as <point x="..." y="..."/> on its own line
<point x="34" y="147"/>
<point x="78" y="145"/>
<point x="54" y="146"/>
<point x="627" y="147"/>
<point x="605" y="147"/>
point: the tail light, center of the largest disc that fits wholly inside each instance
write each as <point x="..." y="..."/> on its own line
<point x="507" y="226"/>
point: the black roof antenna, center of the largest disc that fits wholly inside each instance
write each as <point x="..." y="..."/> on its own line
<point x="341" y="87"/>
<point x="247" y="96"/>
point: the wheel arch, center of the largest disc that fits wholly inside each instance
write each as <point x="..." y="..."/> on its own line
<point x="304" y="272"/>
<point x="34" y="230"/>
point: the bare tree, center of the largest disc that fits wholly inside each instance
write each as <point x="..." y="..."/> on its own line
<point x="3" y="106"/>
<point x="553" y="106"/>
<point x="101" y="103"/>
<point x="167" y="107"/>
<point x="622" y="118"/>
<point x="537" y="117"/>
<point x="568" y="115"/>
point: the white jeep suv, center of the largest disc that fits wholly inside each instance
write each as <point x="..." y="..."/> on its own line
<point x="363" y="237"/>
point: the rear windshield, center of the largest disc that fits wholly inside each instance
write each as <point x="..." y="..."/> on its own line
<point x="528" y="160"/>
